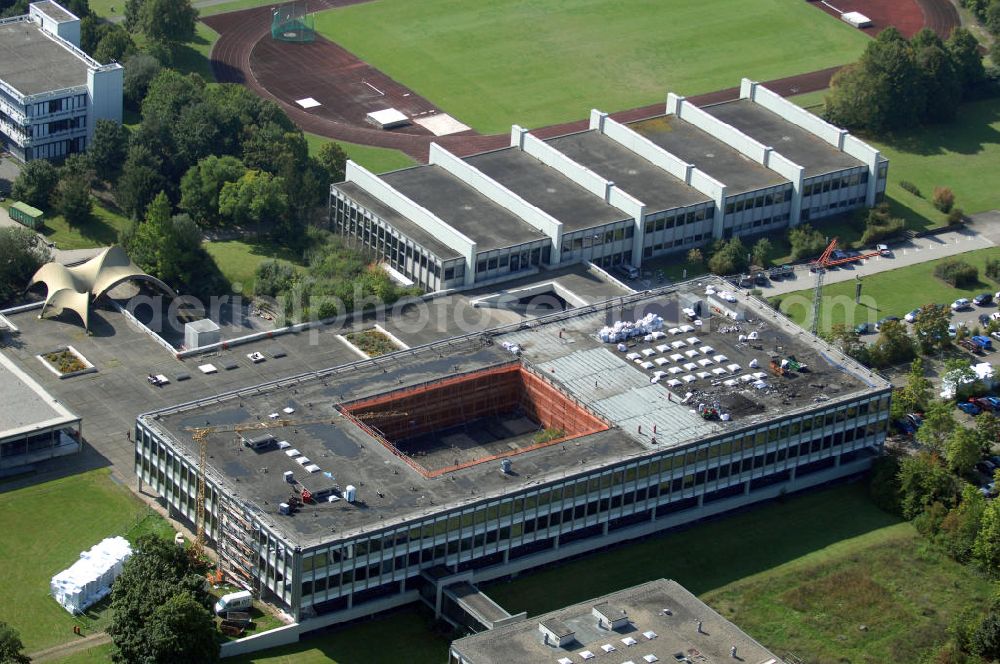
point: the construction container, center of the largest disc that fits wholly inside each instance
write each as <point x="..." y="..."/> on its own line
<point x="26" y="215"/>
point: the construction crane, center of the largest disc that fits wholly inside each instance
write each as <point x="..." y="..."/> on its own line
<point x="820" y="266"/>
<point x="200" y="436"/>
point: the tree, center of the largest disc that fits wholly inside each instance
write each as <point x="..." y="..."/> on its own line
<point x="11" y="648"/>
<point x="36" y="184"/>
<point x="986" y="549"/>
<point x="114" y="45"/>
<point x="847" y="340"/>
<point x="962" y="451"/>
<point x="695" y="256"/>
<point x="73" y="200"/>
<point x="333" y="160"/>
<point x="883" y="91"/>
<point x="169" y="22"/>
<point x="730" y="258"/>
<point x="273" y="278"/>
<point x="806" y="241"/>
<point x="961" y="526"/>
<point x="140" y="70"/>
<point x="158" y="592"/>
<point x="182" y="630"/>
<point x="941" y="83"/>
<point x="140" y="180"/>
<point x="253" y="199"/>
<point x="201" y="185"/>
<point x="985" y="640"/>
<point x="21" y="254"/>
<point x="988" y="431"/>
<point x="916" y="394"/>
<point x="939" y="422"/>
<point x="964" y="50"/>
<point x="108" y="149"/>
<point x="959" y="373"/>
<point x="931" y="328"/>
<point x="991" y="17"/>
<point x="883" y="484"/>
<point x="761" y="250"/>
<point x="893" y="345"/>
<point x="922" y="482"/>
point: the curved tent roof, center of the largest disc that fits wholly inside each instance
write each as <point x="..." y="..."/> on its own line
<point x="74" y="287"/>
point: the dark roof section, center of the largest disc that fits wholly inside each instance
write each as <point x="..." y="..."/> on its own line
<point x="32" y="62"/>
<point x="398" y="221"/>
<point x="546" y="188"/>
<point x="652" y="185"/>
<point x="738" y="172"/>
<point x="810" y="152"/>
<point x="489" y="225"/>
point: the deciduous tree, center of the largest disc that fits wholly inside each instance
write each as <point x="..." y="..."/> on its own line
<point x="108" y="149"/>
<point x="11" y="648"/>
<point x="202" y="183"/>
<point x="36" y="183"/>
<point x="21" y="254"/>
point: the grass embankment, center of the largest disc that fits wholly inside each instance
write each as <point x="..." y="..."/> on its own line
<point x="492" y="64"/>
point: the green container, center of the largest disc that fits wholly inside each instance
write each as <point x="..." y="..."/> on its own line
<point x="26" y="215"/>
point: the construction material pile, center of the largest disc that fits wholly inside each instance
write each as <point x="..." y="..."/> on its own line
<point x="622" y="330"/>
<point x="89" y="579"/>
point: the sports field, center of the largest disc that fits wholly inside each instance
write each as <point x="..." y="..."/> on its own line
<point x="539" y="62"/>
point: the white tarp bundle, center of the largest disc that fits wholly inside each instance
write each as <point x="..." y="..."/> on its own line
<point x="90" y="578"/>
<point x="623" y="330"/>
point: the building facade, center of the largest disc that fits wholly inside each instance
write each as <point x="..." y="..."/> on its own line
<point x="51" y="93"/>
<point x="536" y="519"/>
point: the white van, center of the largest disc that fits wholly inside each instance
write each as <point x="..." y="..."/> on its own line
<point x="234" y="602"/>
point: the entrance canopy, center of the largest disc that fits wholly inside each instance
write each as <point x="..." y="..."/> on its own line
<point x="75" y="287"/>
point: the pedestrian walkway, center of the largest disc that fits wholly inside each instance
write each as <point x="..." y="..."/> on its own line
<point x="64" y="650"/>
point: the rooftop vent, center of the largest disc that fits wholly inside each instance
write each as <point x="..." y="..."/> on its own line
<point x="505" y="466"/>
<point x="556" y="633"/>
<point x="609" y="617"/>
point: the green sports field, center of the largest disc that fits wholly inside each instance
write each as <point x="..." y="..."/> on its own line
<point x="538" y="62"/>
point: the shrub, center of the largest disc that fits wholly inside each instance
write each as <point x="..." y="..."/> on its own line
<point x="957" y="273"/>
<point x="806" y="241"/>
<point x="875" y="233"/>
<point x="944" y="199"/>
<point x="993" y="268"/>
<point x="910" y="187"/>
<point x="956" y="217"/>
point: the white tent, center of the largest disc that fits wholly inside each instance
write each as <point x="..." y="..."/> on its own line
<point x="89" y="579"/>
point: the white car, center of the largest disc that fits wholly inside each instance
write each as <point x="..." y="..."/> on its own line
<point x="912" y="316"/>
<point x="883" y="250"/>
<point x="961" y="303"/>
<point x="995" y="315"/>
<point x="728" y="296"/>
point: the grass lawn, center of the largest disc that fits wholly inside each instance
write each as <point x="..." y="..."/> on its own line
<point x="95" y="655"/>
<point x="101" y="231"/>
<point x="376" y="160"/>
<point x="953" y="155"/>
<point x="537" y="62"/>
<point x="893" y="292"/>
<point x="902" y="590"/>
<point x="45" y="528"/>
<point x="193" y="57"/>
<point x="400" y="636"/>
<point x="793" y="581"/>
<point x="238" y="259"/>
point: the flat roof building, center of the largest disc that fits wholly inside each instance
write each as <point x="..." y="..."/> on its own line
<point x="486" y="454"/>
<point x="611" y="195"/>
<point x="34" y="426"/>
<point x="658" y="621"/>
<point x="51" y="93"/>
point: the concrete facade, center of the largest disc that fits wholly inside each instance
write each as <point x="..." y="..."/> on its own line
<point x="679" y="180"/>
<point x="51" y="93"/>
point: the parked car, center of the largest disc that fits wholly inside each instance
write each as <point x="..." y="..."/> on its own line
<point x="988" y="489"/>
<point x="982" y="299"/>
<point x="911" y="317"/>
<point x="995" y="459"/>
<point x="883" y="250"/>
<point x="746" y="281"/>
<point x="775" y="273"/>
<point x="952" y="331"/>
<point x="985" y="467"/>
<point x="837" y="254"/>
<point x="787" y="271"/>
<point x="969" y="408"/>
<point x="995" y="315"/>
<point x="905" y="427"/>
<point x="627" y="271"/>
<point x="994" y="403"/>
<point x="760" y="279"/>
<point x="883" y="321"/>
<point x="917" y="419"/>
<point x="864" y="328"/>
<point x="984" y="320"/>
<point x="984" y="343"/>
<point x="960" y="303"/>
<point x="984" y="405"/>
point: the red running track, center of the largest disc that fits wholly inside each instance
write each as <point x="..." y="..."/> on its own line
<point x="280" y="72"/>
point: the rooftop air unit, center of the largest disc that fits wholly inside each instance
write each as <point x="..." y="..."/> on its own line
<point x="350" y="493"/>
<point x="505" y="466"/>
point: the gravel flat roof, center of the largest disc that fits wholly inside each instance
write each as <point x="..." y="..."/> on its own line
<point x="32" y="62"/>
<point x="24" y="405"/>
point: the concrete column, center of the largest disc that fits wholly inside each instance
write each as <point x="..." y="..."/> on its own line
<point x="718" y="221"/>
<point x="506" y="556"/>
<point x="746" y="488"/>
<point x="555" y="542"/>
<point x="701" y="499"/>
<point x="605" y="529"/>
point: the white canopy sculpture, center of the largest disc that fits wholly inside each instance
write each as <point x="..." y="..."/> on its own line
<point x="73" y="287"/>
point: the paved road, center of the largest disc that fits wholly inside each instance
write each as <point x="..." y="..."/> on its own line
<point x="911" y="252"/>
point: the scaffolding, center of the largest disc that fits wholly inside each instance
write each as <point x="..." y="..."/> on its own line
<point x="459" y="400"/>
<point x="237" y="546"/>
<point x="292" y="22"/>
